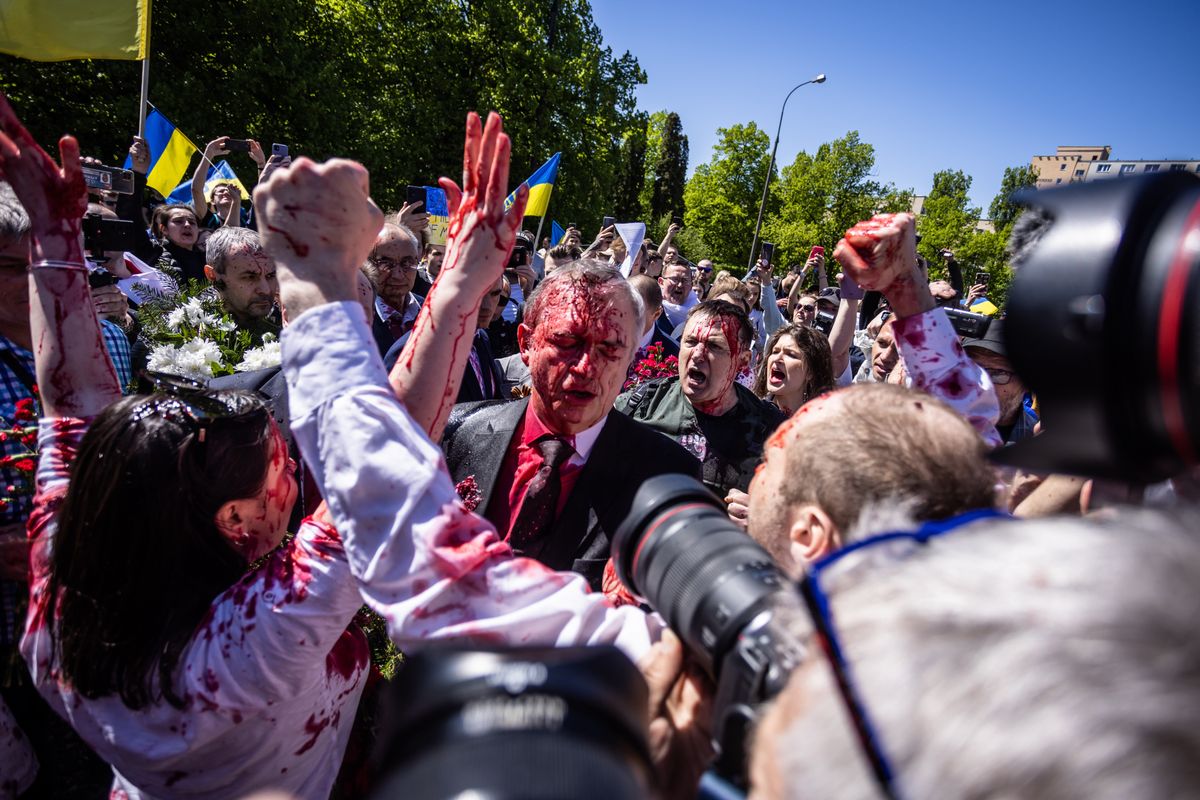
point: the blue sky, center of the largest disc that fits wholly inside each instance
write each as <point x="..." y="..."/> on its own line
<point x="932" y="85"/>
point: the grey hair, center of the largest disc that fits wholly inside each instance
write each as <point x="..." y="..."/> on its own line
<point x="589" y="272"/>
<point x="225" y="240"/>
<point x="14" y="222"/>
<point x="1041" y="658"/>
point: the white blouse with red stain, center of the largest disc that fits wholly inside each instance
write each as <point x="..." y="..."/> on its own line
<point x="270" y="681"/>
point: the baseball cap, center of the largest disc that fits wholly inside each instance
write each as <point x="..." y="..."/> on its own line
<point x="992" y="340"/>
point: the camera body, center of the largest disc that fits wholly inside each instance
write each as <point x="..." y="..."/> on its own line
<point x="101" y="178"/>
<point x="102" y="235"/>
<point x="724" y="596"/>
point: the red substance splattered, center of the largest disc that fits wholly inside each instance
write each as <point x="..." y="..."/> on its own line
<point x="350" y="654"/>
<point x="210" y="681"/>
<point x="299" y="248"/>
<point x="913" y="335"/>
<point x="705" y="331"/>
<point x="314" y="727"/>
<point x="952" y="385"/>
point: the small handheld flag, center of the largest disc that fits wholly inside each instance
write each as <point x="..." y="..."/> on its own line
<point x="540" y="184"/>
<point x="170" y="153"/>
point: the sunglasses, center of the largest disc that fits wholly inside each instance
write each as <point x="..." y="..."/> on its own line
<point x="190" y="402"/>
<point x="814" y="590"/>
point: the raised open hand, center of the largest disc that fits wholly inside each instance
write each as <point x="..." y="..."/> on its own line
<point x="318" y="222"/>
<point x="481" y="234"/>
<point x="54" y="198"/>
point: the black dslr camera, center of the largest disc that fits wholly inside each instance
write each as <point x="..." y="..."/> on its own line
<point x="515" y="724"/>
<point x="1104" y="326"/>
<point x="732" y="607"/>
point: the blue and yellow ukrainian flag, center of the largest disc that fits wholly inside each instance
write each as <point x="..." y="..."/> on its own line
<point x="218" y="173"/>
<point x="540" y="184"/>
<point x="170" y="153"/>
<point x="59" y="30"/>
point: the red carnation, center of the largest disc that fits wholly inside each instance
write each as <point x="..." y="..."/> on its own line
<point x="468" y="490"/>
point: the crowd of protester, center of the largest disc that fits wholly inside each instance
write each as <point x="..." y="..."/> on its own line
<point x="440" y="441"/>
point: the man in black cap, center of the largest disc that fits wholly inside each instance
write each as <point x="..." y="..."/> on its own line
<point x="1016" y="422"/>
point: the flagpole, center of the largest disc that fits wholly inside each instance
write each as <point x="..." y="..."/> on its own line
<point x="537" y="239"/>
<point x="145" y="99"/>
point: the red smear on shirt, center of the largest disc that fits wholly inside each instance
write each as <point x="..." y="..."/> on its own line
<point x="350" y="654"/>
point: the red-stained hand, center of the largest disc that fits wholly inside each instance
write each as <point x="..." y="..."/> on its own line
<point x="880" y="254"/>
<point x="318" y="222"/>
<point x="481" y="234"/>
<point x="680" y="730"/>
<point x="55" y="199"/>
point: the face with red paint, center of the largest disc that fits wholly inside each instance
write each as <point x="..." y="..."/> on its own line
<point x="710" y="357"/>
<point x="578" y="353"/>
<point x="254" y="526"/>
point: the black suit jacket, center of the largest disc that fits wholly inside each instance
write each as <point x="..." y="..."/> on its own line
<point x="626" y="454"/>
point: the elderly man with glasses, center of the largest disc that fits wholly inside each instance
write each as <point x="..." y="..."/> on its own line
<point x="1016" y="421"/>
<point x="392" y="270"/>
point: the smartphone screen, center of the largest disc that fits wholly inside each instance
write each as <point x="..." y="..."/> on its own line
<point x="415" y="194"/>
<point x="608" y="221"/>
<point x="766" y="252"/>
<point x="237" y="146"/>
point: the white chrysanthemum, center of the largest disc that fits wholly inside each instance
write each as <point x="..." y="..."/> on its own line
<point x="222" y="324"/>
<point x="269" y="355"/>
<point x="194" y="359"/>
<point x="176" y="318"/>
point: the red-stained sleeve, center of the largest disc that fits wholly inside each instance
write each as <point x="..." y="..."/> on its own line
<point x="58" y="443"/>
<point x="937" y="364"/>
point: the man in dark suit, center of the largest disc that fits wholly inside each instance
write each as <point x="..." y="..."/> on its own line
<point x="557" y="471"/>
<point x="653" y="333"/>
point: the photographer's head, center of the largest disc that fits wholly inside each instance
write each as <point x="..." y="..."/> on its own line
<point x="580" y="331"/>
<point x="242" y="273"/>
<point x="392" y="264"/>
<point x="714" y="348"/>
<point x="869" y="446"/>
<point x="1047" y="658"/>
<point x="989" y="353"/>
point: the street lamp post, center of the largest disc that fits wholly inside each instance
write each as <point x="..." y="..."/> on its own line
<point x="771" y="167"/>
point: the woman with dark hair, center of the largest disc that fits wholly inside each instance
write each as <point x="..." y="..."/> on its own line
<point x="797" y="366"/>
<point x="177" y="231"/>
<point x="188" y="673"/>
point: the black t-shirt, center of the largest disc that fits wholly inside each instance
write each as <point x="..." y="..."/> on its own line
<point x="729" y="447"/>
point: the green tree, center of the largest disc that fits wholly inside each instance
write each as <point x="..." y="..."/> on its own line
<point x="722" y="196"/>
<point x="670" y="170"/>
<point x="627" y="203"/>
<point x="947" y="220"/>
<point x="1003" y="210"/>
<point x="822" y="195"/>
<point x="387" y="82"/>
<point x="655" y="131"/>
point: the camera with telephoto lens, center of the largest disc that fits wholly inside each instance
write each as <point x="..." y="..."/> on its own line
<point x="732" y="607"/>
<point x="515" y="723"/>
<point x="968" y="324"/>
<point x="1103" y="326"/>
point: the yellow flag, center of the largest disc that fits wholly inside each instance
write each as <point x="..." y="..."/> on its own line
<point x="60" y="30"/>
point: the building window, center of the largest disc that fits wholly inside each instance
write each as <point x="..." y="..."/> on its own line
<point x="1058" y="180"/>
<point x="1103" y="167"/>
<point x="1078" y="173"/>
<point x="1127" y="168"/>
<point x="1062" y="167"/>
<point x="1151" y="168"/>
<point x="1178" y="167"/>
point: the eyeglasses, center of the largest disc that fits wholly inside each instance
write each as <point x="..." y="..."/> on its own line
<point x="817" y="600"/>
<point x="190" y="402"/>
<point x="704" y="269"/>
<point x="391" y="265"/>
<point x="999" y="376"/>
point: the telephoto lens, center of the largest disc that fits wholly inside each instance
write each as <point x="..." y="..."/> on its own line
<point x="1104" y="327"/>
<point x="735" y="610"/>
<point x="503" y="724"/>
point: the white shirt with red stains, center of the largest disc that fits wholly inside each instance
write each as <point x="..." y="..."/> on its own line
<point x="431" y="568"/>
<point x="937" y="364"/>
<point x="270" y="681"/>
